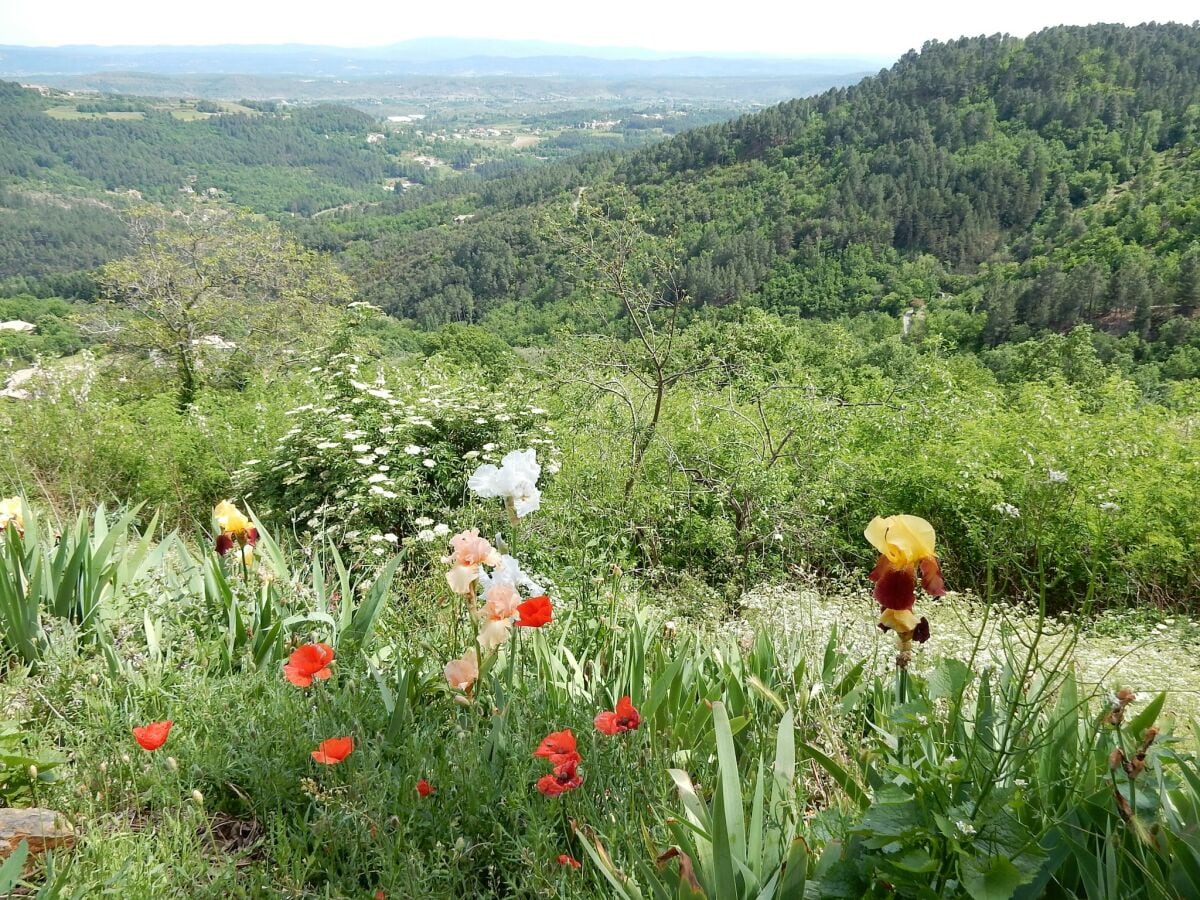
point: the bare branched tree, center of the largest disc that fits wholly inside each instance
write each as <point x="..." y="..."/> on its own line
<point x="632" y="279"/>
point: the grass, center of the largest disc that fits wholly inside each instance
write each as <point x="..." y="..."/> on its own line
<point x="1146" y="651"/>
<point x="69" y="112"/>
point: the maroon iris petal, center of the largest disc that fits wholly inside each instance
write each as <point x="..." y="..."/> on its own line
<point x="895" y="588"/>
<point x="931" y="577"/>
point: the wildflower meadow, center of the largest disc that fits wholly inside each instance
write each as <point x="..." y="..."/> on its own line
<point x="354" y="697"/>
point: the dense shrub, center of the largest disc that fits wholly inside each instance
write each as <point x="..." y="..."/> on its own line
<point x="371" y="460"/>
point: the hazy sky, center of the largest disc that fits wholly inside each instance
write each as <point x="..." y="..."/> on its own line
<point x="783" y="27"/>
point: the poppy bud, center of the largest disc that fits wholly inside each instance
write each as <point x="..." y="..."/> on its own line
<point x="172" y="764"/>
<point x="198" y="798"/>
<point x="33" y="773"/>
<point x="94" y="679"/>
<point x="125" y="758"/>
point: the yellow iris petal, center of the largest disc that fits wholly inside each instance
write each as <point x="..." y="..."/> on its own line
<point x="901" y="621"/>
<point x="11" y="513"/>
<point x="230" y="519"/>
<point x="903" y="539"/>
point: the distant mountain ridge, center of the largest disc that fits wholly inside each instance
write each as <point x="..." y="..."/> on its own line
<point x="427" y="56"/>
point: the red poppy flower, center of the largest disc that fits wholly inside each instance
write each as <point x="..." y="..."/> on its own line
<point x="569" y="861"/>
<point x="535" y="612"/>
<point x="564" y="778"/>
<point x="624" y="718"/>
<point x="558" y="747"/>
<point x="308" y="662"/>
<point x="424" y="788"/>
<point x="154" y="735"/>
<point x="333" y="751"/>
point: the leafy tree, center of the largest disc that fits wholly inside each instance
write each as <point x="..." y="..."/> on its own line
<point x="209" y="283"/>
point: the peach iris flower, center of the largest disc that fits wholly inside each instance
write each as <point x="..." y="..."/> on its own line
<point x="461" y="673"/>
<point x="468" y="551"/>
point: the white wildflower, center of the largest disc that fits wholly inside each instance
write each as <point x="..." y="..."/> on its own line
<point x="515" y="481"/>
<point x="508" y="571"/>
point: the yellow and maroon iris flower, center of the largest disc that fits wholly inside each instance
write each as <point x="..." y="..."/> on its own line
<point x="905" y="545"/>
<point x="11" y="514"/>
<point x="235" y="528"/>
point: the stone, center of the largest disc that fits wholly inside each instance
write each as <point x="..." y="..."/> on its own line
<point x="44" y="829"/>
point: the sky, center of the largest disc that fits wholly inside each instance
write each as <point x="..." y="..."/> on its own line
<point x="775" y="27"/>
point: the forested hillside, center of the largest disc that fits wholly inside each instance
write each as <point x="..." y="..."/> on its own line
<point x="65" y="182"/>
<point x="1009" y="185"/>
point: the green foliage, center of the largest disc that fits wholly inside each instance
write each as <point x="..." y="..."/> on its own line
<point x="1002" y="782"/>
<point x="799" y="434"/>
<point x="57" y="334"/>
<point x="73" y="579"/>
<point x="1069" y="152"/>
<point x="84" y="439"/>
<point x="23" y="770"/>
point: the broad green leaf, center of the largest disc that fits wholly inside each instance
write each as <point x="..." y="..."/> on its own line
<point x="1148" y="716"/>
<point x="990" y="877"/>
<point x="10" y="872"/>
<point x="795" y="872"/>
<point x="731" y="780"/>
